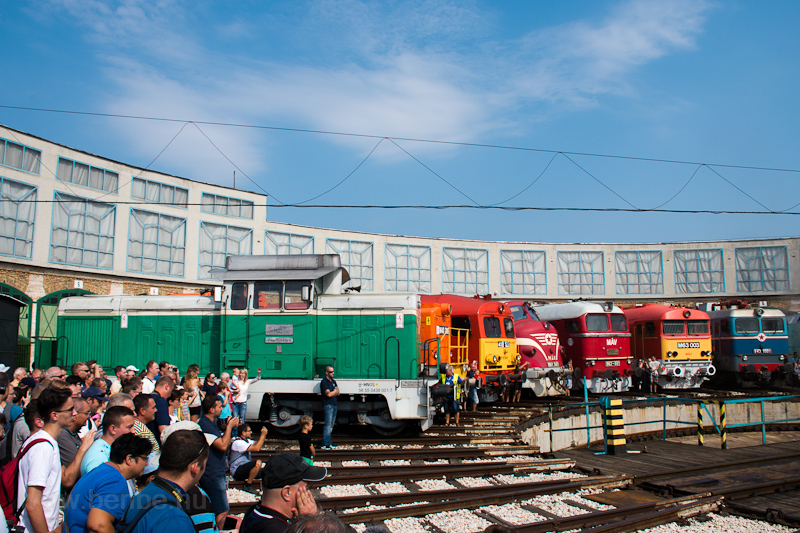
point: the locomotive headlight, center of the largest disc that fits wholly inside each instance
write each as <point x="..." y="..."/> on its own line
<point x="630" y="361"/>
<point x="518" y="358"/>
<point x="592" y="362"/>
<point x="744" y="358"/>
<point x="494" y="358"/>
<point x="783" y="357"/>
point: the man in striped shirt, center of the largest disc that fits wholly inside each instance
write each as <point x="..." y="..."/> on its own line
<point x="144" y="407"/>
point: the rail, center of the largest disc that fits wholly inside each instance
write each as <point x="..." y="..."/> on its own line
<point x="721" y="426"/>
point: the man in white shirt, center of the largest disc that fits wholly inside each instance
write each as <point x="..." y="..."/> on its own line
<point x="40" y="468"/>
<point x="149" y="379"/>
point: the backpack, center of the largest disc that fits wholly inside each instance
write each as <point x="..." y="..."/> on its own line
<point x="6" y="444"/>
<point x="127" y="527"/>
<point x="9" y="475"/>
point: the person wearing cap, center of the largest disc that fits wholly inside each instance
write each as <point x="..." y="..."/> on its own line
<point x="71" y="447"/>
<point x="96" y="400"/>
<point x="131" y="371"/>
<point x="286" y="495"/>
<point x="118" y="421"/>
<point x="100" y="497"/>
<point x="182" y="463"/>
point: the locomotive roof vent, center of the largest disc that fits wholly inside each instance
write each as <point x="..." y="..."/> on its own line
<point x="280" y="267"/>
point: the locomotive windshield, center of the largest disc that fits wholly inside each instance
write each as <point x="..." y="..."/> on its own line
<point x="518" y="312"/>
<point x="277" y="294"/>
<point x="698" y="327"/>
<point x="509" y="327"/>
<point x="596" y="323"/>
<point x="618" y="323"/>
<point x="673" y="327"/>
<point x="773" y="326"/>
<point x="746" y="326"/>
<point x="491" y="326"/>
<point x="239" y="296"/>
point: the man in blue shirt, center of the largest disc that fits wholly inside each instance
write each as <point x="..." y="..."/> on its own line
<point x="99" y="498"/>
<point x="214" y="481"/>
<point x="117" y="422"/>
<point x="329" y="390"/>
<point x="182" y="463"/>
<point x="164" y="387"/>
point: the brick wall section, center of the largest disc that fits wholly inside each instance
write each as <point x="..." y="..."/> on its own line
<point x="52" y="282"/>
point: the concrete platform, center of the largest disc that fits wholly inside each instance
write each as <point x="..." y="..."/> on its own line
<point x="683" y="452"/>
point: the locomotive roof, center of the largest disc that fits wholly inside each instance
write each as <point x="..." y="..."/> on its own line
<point x="748" y="312"/>
<point x="369" y="301"/>
<point x="464" y="305"/>
<point x="279" y="267"/>
<point x="119" y="303"/>
<point x="568" y="310"/>
<point x="663" y="312"/>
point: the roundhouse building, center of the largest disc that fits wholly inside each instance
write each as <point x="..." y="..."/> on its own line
<point x="74" y="223"/>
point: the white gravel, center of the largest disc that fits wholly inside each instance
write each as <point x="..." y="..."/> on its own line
<point x="513" y="513"/>
<point x="396" y="462"/>
<point x="535" y="477"/>
<point x="367" y="508"/>
<point x="437" y="462"/>
<point x="475" y="482"/>
<point x="355" y="463"/>
<point x="238" y="496"/>
<point x="456" y="522"/>
<point x="719" y="523"/>
<point x="389" y="488"/>
<point x="434" y="484"/>
<point x="333" y="491"/>
<point x="405" y="525"/>
<point x="553" y="503"/>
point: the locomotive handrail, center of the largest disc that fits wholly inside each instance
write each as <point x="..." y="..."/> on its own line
<point x="247" y="328"/>
<point x="224" y="326"/>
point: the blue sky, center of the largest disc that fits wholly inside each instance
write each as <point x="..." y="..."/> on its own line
<point x="691" y="81"/>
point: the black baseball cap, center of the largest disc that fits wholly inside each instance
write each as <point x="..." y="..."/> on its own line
<point x="288" y="469"/>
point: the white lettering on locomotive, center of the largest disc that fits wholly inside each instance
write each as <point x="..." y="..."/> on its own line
<point x="611" y="342"/>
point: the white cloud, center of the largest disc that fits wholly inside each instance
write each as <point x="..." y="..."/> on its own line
<point x="407" y="69"/>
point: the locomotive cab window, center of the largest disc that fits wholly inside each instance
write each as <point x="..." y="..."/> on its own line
<point x="772" y="326"/>
<point x="508" y="324"/>
<point x="618" y="323"/>
<point x="746" y="326"/>
<point x="725" y="326"/>
<point x="239" y="296"/>
<point x="518" y="312"/>
<point x="673" y="327"/>
<point x="461" y="322"/>
<point x="650" y="329"/>
<point x="491" y="326"/>
<point x="698" y="327"/>
<point x="573" y="326"/>
<point x="596" y="323"/>
<point x="293" y="295"/>
<point x="267" y="295"/>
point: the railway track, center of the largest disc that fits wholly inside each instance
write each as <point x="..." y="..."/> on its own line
<point x="639" y="501"/>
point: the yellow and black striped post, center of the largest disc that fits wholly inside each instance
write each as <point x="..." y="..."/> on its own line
<point x="699" y="423"/>
<point x="615" y="426"/>
<point x="722" y="426"/>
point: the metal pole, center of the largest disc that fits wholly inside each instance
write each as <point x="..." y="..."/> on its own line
<point x="664" y="416"/>
<point x="588" y="423"/>
<point x="699" y="423"/>
<point x="723" y="425"/>
<point x="763" y="425"/>
<point x="550" y="415"/>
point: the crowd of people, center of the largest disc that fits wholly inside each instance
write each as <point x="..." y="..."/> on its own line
<point x="149" y="451"/>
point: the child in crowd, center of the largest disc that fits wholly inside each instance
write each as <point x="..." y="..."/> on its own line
<point x="306" y="447"/>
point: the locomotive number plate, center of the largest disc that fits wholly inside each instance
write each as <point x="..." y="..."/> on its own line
<point x="612" y="352"/>
<point x="279" y="329"/>
<point x="762" y="350"/>
<point x="612" y="363"/>
<point x="688" y="345"/>
<point x="503" y="344"/>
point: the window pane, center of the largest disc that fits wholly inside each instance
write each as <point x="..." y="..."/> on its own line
<point x="698" y="327"/>
<point x="267" y="295"/>
<point x="746" y="326"/>
<point x="673" y="327"/>
<point x="596" y="323"/>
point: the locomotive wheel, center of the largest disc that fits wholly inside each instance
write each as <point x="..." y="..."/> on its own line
<point x="390" y="432"/>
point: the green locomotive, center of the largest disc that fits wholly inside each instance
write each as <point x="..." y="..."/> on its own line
<point x="286" y="315"/>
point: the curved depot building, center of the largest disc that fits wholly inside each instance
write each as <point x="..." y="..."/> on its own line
<point x="74" y="223"/>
